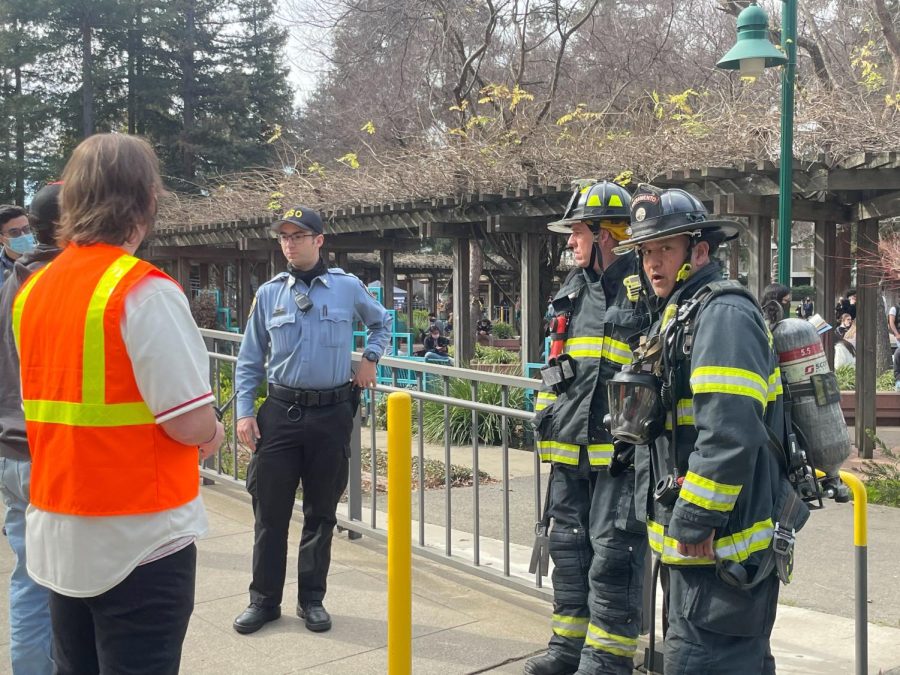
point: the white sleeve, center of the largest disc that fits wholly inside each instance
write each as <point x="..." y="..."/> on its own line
<point x="893" y="310"/>
<point x="170" y="361"/>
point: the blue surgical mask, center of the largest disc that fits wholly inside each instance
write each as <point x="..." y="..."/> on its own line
<point x="22" y="244"/>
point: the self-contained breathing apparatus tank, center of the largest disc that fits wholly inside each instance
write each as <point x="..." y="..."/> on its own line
<point x="815" y="398"/>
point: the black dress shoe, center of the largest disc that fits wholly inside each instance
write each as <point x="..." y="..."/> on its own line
<point x="314" y="615"/>
<point x="255" y="617"/>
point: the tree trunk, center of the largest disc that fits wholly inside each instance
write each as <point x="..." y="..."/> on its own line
<point x="476" y="265"/>
<point x="135" y="65"/>
<point x="188" y="94"/>
<point x="20" y="137"/>
<point x="87" y="75"/>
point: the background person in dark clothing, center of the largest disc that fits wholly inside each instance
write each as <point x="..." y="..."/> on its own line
<point x="436" y="345"/>
<point x="846" y="305"/>
<point x="29" y="609"/>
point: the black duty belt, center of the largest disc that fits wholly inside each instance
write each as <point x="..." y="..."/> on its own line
<point x="313" y="398"/>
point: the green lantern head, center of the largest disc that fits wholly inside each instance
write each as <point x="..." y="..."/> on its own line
<point x="753" y="51"/>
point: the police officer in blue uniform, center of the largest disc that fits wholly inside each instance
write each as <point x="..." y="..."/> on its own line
<point x="298" y="340"/>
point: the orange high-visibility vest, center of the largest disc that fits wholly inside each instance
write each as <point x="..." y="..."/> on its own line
<point x="96" y="449"/>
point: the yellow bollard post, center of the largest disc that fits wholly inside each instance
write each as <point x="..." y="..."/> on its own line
<point x="860" y="544"/>
<point x="399" y="431"/>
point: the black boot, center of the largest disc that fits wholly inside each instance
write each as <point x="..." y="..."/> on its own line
<point x="548" y="663"/>
<point x="315" y="616"/>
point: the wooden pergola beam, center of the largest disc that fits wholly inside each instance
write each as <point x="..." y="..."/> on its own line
<point x="885" y="206"/>
<point x="767" y="205"/>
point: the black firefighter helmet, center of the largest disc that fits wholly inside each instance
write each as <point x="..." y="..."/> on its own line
<point x="603" y="200"/>
<point x="658" y="214"/>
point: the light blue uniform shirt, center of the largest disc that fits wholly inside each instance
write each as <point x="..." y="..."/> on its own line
<point x="306" y="350"/>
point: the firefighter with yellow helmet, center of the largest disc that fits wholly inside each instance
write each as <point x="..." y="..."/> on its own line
<point x="589" y="528"/>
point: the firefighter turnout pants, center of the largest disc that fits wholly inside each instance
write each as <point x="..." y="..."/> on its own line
<point x="571" y="489"/>
<point x="716" y="629"/>
<point x="619" y="546"/>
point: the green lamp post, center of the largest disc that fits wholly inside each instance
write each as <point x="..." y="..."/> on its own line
<point x="751" y="54"/>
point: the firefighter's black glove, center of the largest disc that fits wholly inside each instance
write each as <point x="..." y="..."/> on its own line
<point x="622" y="459"/>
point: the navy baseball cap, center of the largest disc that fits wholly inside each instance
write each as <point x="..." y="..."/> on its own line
<point x="301" y="216"/>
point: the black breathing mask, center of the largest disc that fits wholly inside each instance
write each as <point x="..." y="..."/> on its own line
<point x="635" y="408"/>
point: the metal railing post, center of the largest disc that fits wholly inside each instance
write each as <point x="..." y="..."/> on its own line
<point x="354" y="484"/>
<point x="399" y="431"/>
<point x="861" y="575"/>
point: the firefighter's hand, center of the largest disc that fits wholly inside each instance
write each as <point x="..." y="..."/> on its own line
<point x="207" y="449"/>
<point x="704" y="549"/>
<point x="248" y="432"/>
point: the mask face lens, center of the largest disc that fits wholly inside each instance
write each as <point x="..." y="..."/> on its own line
<point x="634" y="408"/>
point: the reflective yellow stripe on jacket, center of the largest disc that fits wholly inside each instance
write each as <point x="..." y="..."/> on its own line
<point x="599" y="454"/>
<point x="737" y="547"/>
<point x="570" y="626"/>
<point x="616" y="351"/>
<point x="775" y="388"/>
<point x="729" y="380"/>
<point x="708" y="494"/>
<point x="543" y="399"/>
<point x="685" y="411"/>
<point x="584" y="347"/>
<point x="620" y="645"/>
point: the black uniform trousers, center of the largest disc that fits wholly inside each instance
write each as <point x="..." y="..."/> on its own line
<point x="716" y="629"/>
<point x="571" y="490"/>
<point x="309" y="447"/>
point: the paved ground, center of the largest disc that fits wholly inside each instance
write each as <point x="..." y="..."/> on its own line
<point x="462" y="624"/>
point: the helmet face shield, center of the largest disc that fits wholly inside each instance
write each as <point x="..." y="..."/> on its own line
<point x="635" y="409"/>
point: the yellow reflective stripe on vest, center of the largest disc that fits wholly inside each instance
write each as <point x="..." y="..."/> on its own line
<point x="708" y="494"/>
<point x="775" y="388"/>
<point x="93" y="378"/>
<point x="737" y="547"/>
<point x="88" y="414"/>
<point x="584" y="347"/>
<point x="544" y="398"/>
<point x="685" y="410"/>
<point x="620" y="645"/>
<point x="616" y="351"/>
<point x="21" y="299"/>
<point x="727" y="380"/>
<point x="92" y="411"/>
<point x="600" y="454"/>
<point x="554" y="451"/>
<point x="570" y="626"/>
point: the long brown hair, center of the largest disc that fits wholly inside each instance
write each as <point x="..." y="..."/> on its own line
<point x="110" y="187"/>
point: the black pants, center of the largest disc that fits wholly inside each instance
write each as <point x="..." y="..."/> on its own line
<point x="716" y="629"/>
<point x="135" y="628"/>
<point x="299" y="446"/>
<point x="571" y="490"/>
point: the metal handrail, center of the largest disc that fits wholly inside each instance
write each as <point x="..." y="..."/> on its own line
<point x="224" y="348"/>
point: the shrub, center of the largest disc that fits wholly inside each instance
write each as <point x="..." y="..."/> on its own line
<point x="494" y="355"/>
<point x="882" y="479"/>
<point x="503" y="331"/>
<point x="846" y="377"/>
<point x="489" y="425"/>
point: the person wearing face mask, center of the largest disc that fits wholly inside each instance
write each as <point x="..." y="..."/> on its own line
<point x="29" y="610"/>
<point x="115" y="412"/>
<point x="15" y="236"/>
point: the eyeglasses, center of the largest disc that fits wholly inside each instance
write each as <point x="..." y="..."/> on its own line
<point x="14" y="232"/>
<point x="294" y="238"/>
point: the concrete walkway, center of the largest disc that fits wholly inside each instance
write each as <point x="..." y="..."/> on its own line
<point x="460" y="624"/>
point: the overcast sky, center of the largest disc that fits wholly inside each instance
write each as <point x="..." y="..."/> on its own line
<point x="305" y="63"/>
